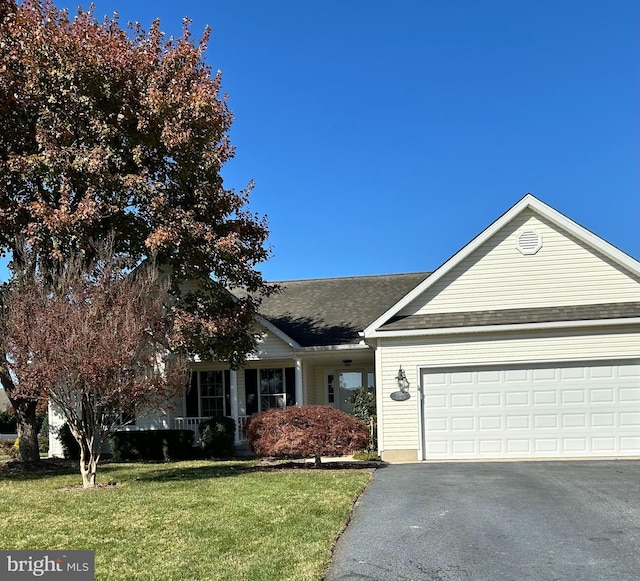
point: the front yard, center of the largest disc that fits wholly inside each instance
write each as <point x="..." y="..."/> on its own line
<point x="187" y="521"/>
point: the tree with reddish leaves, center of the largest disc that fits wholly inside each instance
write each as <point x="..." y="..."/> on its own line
<point x="118" y="130"/>
<point x="305" y="431"/>
<point x="95" y="341"/>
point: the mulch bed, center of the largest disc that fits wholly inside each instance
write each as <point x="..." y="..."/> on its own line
<point x="269" y="464"/>
<point x="45" y="465"/>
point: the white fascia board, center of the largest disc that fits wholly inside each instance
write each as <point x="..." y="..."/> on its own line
<point x="586" y="236"/>
<point x="528" y="201"/>
<point x="507" y="328"/>
<point x="320" y="348"/>
<point x="277" y="332"/>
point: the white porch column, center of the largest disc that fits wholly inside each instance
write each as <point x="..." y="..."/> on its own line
<point x="299" y="382"/>
<point x="233" y="393"/>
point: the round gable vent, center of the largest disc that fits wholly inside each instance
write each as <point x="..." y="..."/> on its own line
<point x="529" y="242"/>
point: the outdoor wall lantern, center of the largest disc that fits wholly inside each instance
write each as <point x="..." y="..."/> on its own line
<point x="403" y="387"/>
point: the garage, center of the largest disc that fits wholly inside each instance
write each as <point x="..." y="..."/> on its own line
<point x="525" y="344"/>
<point x="564" y="410"/>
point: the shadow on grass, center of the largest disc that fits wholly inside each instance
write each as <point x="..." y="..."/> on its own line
<point x="174" y="471"/>
<point x="231" y="468"/>
<point x="177" y="471"/>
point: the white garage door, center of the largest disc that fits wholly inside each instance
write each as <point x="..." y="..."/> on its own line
<point x="555" y="411"/>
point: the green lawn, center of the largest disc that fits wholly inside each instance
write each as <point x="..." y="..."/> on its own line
<point x="186" y="521"/>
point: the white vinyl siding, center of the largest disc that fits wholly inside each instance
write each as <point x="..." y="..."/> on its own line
<point x="271" y="347"/>
<point x="401" y="418"/>
<point x="316" y="386"/>
<point x="497" y="276"/>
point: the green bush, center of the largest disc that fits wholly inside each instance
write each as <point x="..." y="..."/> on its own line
<point x="364" y="408"/>
<point x="367" y="456"/>
<point x="152" y="445"/>
<point x="363" y="401"/>
<point x="70" y="448"/>
<point x="217" y="436"/>
<point x="7" y="422"/>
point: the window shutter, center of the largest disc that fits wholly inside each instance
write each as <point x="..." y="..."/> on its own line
<point x="227" y="393"/>
<point x="251" y="390"/>
<point x="290" y="385"/>
<point x="192" y="396"/>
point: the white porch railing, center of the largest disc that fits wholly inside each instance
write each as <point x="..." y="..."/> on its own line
<point x="192" y="423"/>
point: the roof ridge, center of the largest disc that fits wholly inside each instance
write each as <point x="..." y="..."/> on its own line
<point x="352" y="277"/>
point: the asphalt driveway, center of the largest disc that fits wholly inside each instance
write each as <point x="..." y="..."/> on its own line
<point x="512" y="521"/>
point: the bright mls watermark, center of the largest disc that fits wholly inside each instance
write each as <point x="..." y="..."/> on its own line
<point x="46" y="565"/>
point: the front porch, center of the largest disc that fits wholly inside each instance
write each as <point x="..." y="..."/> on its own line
<point x="192" y="423"/>
<point x="326" y="378"/>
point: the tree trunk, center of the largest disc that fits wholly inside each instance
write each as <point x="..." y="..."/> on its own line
<point x="27" y="430"/>
<point x="25" y="409"/>
<point x="88" y="464"/>
<point x="318" y="462"/>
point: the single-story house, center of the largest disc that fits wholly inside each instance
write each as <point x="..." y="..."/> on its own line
<point x="525" y="344"/>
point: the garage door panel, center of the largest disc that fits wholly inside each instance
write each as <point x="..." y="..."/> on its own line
<point x="632" y="371"/>
<point x="630" y="443"/>
<point x="601" y="372"/>
<point x="516" y="398"/>
<point x="492" y="447"/>
<point x="490" y="399"/>
<point x="574" y="445"/>
<point x="630" y="394"/>
<point x="573" y="396"/>
<point x="630" y="420"/>
<point x="564" y="410"/>
<point x="547" y="445"/>
<point x="603" y="444"/>
<point x="518" y="423"/>
<point x="462" y="400"/>
<point x="490" y="423"/>
<point x="546" y="421"/>
<point x="546" y="397"/>
<point x="435" y="424"/>
<point x="603" y="419"/>
<point x="574" y="420"/>
<point x="573" y="374"/>
<point x="544" y="375"/>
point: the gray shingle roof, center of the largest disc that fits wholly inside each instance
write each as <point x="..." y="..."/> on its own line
<point x="331" y="311"/>
<point x="514" y="316"/>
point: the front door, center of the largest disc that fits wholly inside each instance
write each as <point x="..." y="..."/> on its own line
<point x="348" y="382"/>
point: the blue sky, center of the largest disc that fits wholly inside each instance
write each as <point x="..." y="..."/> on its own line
<point x="383" y="136"/>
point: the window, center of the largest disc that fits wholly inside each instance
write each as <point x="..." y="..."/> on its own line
<point x="272" y="392"/>
<point x="269" y="388"/>
<point x="209" y="394"/>
<point x="331" y="389"/>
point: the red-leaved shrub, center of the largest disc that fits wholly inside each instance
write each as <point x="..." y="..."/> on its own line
<point x="305" y="431"/>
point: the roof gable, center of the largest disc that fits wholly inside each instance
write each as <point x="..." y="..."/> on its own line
<point x="490" y="274"/>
